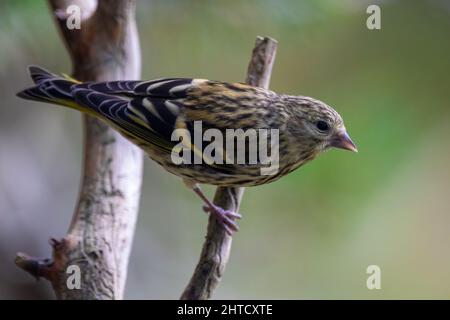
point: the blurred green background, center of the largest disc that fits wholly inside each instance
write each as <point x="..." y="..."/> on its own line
<point x="313" y="233"/>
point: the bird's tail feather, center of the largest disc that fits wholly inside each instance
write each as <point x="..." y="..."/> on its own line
<point x="51" y="88"/>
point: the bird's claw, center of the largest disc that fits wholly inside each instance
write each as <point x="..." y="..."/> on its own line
<point x="226" y="218"/>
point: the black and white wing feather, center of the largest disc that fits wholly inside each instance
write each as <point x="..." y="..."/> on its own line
<point x="147" y="111"/>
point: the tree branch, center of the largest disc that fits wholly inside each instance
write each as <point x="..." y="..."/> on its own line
<point x="101" y="232"/>
<point x="217" y="245"/>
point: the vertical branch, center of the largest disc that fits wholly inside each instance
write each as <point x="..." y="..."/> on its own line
<point x="100" y="235"/>
<point x="217" y="245"/>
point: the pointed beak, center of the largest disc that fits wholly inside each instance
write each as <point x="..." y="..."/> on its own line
<point x="342" y="141"/>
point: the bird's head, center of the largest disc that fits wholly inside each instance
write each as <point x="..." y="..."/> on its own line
<point x="316" y="126"/>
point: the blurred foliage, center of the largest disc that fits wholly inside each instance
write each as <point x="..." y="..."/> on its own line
<point x="309" y="235"/>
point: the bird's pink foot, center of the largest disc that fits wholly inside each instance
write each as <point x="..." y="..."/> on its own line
<point x="226" y="217"/>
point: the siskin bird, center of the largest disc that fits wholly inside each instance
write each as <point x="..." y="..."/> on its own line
<point x="149" y="112"/>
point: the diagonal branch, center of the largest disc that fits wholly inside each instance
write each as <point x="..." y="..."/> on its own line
<point x="217" y="245"/>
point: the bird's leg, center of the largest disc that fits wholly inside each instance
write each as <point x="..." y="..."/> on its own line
<point x="225" y="217"/>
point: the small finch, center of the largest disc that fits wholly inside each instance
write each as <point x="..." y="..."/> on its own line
<point x="149" y="113"/>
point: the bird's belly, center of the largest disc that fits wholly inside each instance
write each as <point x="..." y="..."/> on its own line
<point x="222" y="175"/>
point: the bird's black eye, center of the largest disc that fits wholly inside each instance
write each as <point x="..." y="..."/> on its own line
<point x="322" y="126"/>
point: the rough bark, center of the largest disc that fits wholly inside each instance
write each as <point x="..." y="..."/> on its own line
<point x="101" y="232"/>
<point x="216" y="248"/>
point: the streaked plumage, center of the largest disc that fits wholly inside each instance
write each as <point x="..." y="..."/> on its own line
<point x="147" y="112"/>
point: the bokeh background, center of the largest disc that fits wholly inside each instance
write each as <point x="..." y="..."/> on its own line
<point x="313" y="233"/>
